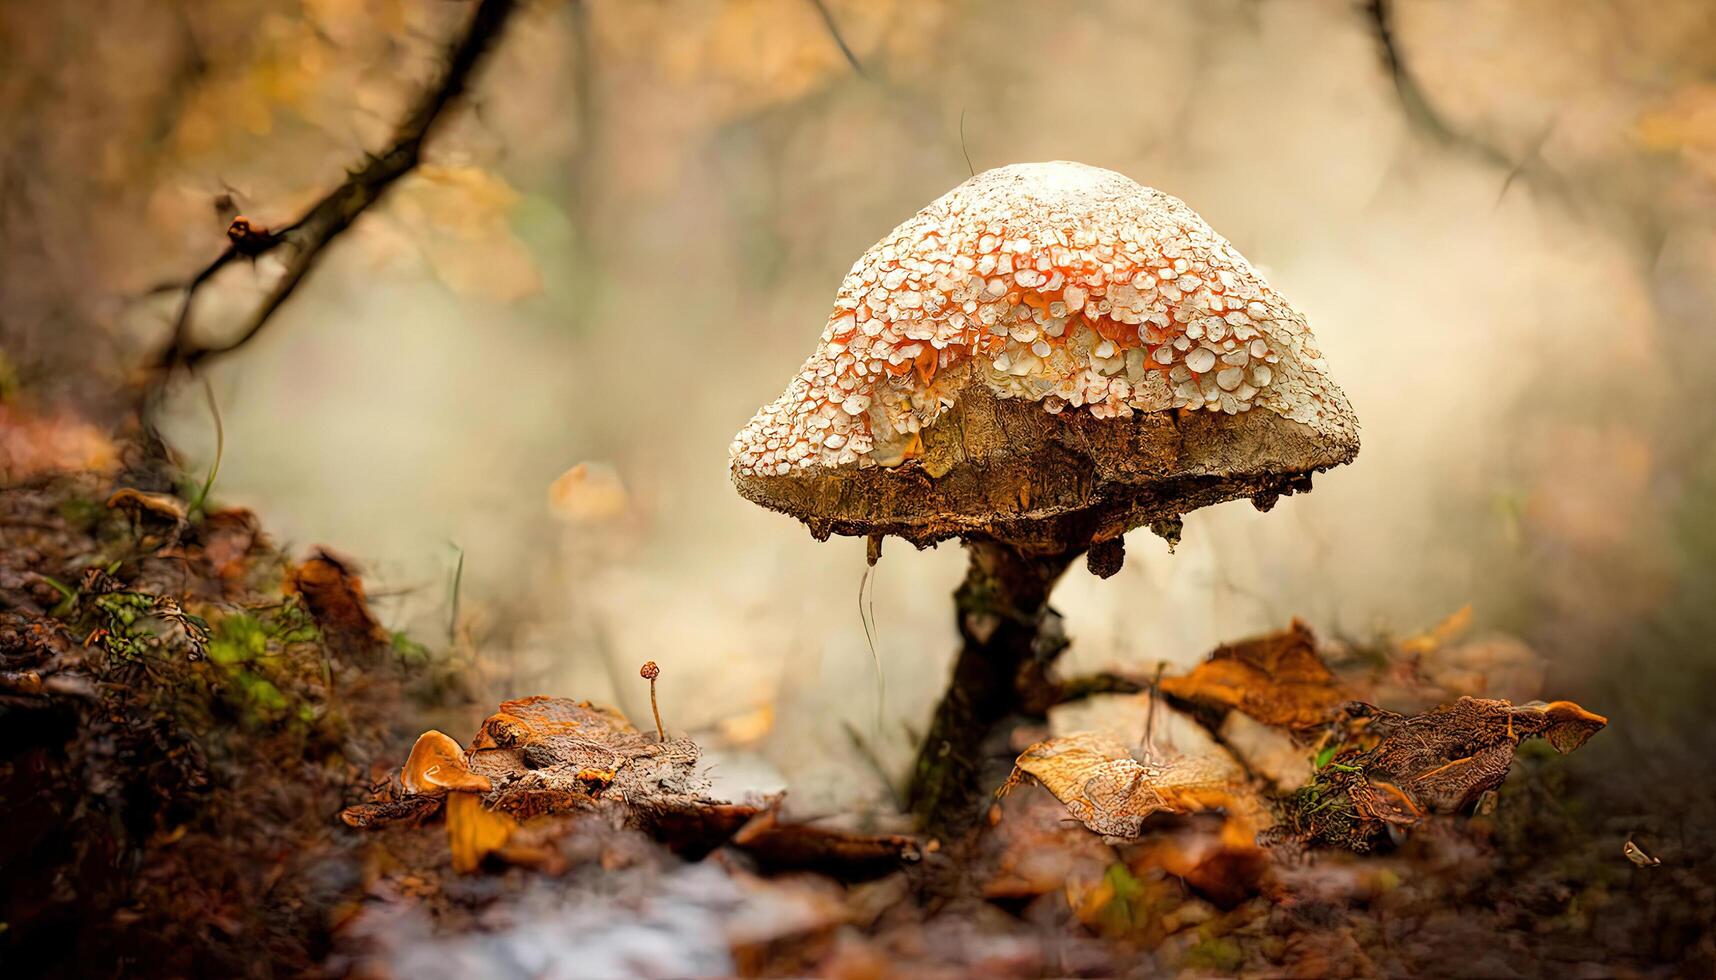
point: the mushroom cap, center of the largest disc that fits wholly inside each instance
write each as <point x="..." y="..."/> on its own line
<point x="437" y="765"/>
<point x="1049" y="354"/>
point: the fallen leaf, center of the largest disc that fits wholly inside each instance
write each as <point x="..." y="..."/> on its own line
<point x="1277" y="679"/>
<point x="544" y="756"/>
<point x="381" y="813"/>
<point x="1401" y="768"/>
<point x="1637" y="855"/>
<point x="1109" y="791"/>
<point x="334" y="595"/>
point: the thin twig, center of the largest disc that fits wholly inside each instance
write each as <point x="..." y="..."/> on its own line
<point x="1149" y="742"/>
<point x="1413" y="101"/>
<point x="834" y="29"/>
<point x="307" y="238"/>
<point x="962" y="148"/>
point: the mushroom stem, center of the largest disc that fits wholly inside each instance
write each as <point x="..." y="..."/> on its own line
<point x="1009" y="637"/>
<point x="650" y="672"/>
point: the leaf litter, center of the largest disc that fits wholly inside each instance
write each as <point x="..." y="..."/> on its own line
<point x="596" y="841"/>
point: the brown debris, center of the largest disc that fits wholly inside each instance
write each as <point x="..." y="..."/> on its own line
<point x="230" y="537"/>
<point x="1277" y="679"/>
<point x="539" y="758"/>
<point x="1444" y="759"/>
<point x="334" y="595"/>
<point x="1440" y="761"/>
<point x="409" y="810"/>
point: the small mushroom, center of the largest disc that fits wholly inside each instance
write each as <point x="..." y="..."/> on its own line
<point x="437" y="767"/>
<point x="1039" y="361"/>
<point x="157" y="514"/>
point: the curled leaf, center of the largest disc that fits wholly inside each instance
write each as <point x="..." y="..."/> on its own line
<point x="1437" y="762"/>
<point x="334" y="595"/>
<point x="1637" y="855"/>
<point x="1276" y="679"/>
<point x="1101" y="784"/>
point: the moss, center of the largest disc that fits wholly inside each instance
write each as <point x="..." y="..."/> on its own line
<point x="410" y="651"/>
<point x="82" y="513"/>
<point x="238" y="638"/>
<point x="1123" y="914"/>
<point x="1222" y="956"/>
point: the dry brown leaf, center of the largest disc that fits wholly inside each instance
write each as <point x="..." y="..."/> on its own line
<point x="334" y="595"/>
<point x="1439" y="761"/>
<point x="1638" y="856"/>
<point x="1436" y="636"/>
<point x="1444" y="759"/>
<point x="1109" y="791"/>
<point x="383" y="813"/>
<point x="1277" y="679"/>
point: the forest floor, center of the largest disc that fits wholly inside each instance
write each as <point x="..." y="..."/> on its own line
<point x="201" y="741"/>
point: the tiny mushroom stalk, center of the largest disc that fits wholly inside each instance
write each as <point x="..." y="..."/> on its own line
<point x="649" y="672"/>
<point x="1039" y="361"/>
<point x="438" y="767"/>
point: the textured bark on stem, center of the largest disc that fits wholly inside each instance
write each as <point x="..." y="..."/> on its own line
<point x="1009" y="638"/>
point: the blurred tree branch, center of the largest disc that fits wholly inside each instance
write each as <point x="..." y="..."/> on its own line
<point x="303" y="241"/>
<point x="1423" y="116"/>
<point x="839" y="39"/>
<point x="1419" y="112"/>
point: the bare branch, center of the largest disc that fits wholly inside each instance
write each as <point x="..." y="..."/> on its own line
<point x="1419" y="112"/>
<point x="305" y="239"/>
<point x="839" y="39"/>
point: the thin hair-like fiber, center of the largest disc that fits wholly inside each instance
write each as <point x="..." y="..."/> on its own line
<point x="867" y="616"/>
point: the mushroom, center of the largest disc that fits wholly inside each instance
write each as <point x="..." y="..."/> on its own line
<point x="1044" y="358"/>
<point x="437" y="767"/>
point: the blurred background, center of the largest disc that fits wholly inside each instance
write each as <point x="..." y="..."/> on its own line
<point x="1499" y="218"/>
